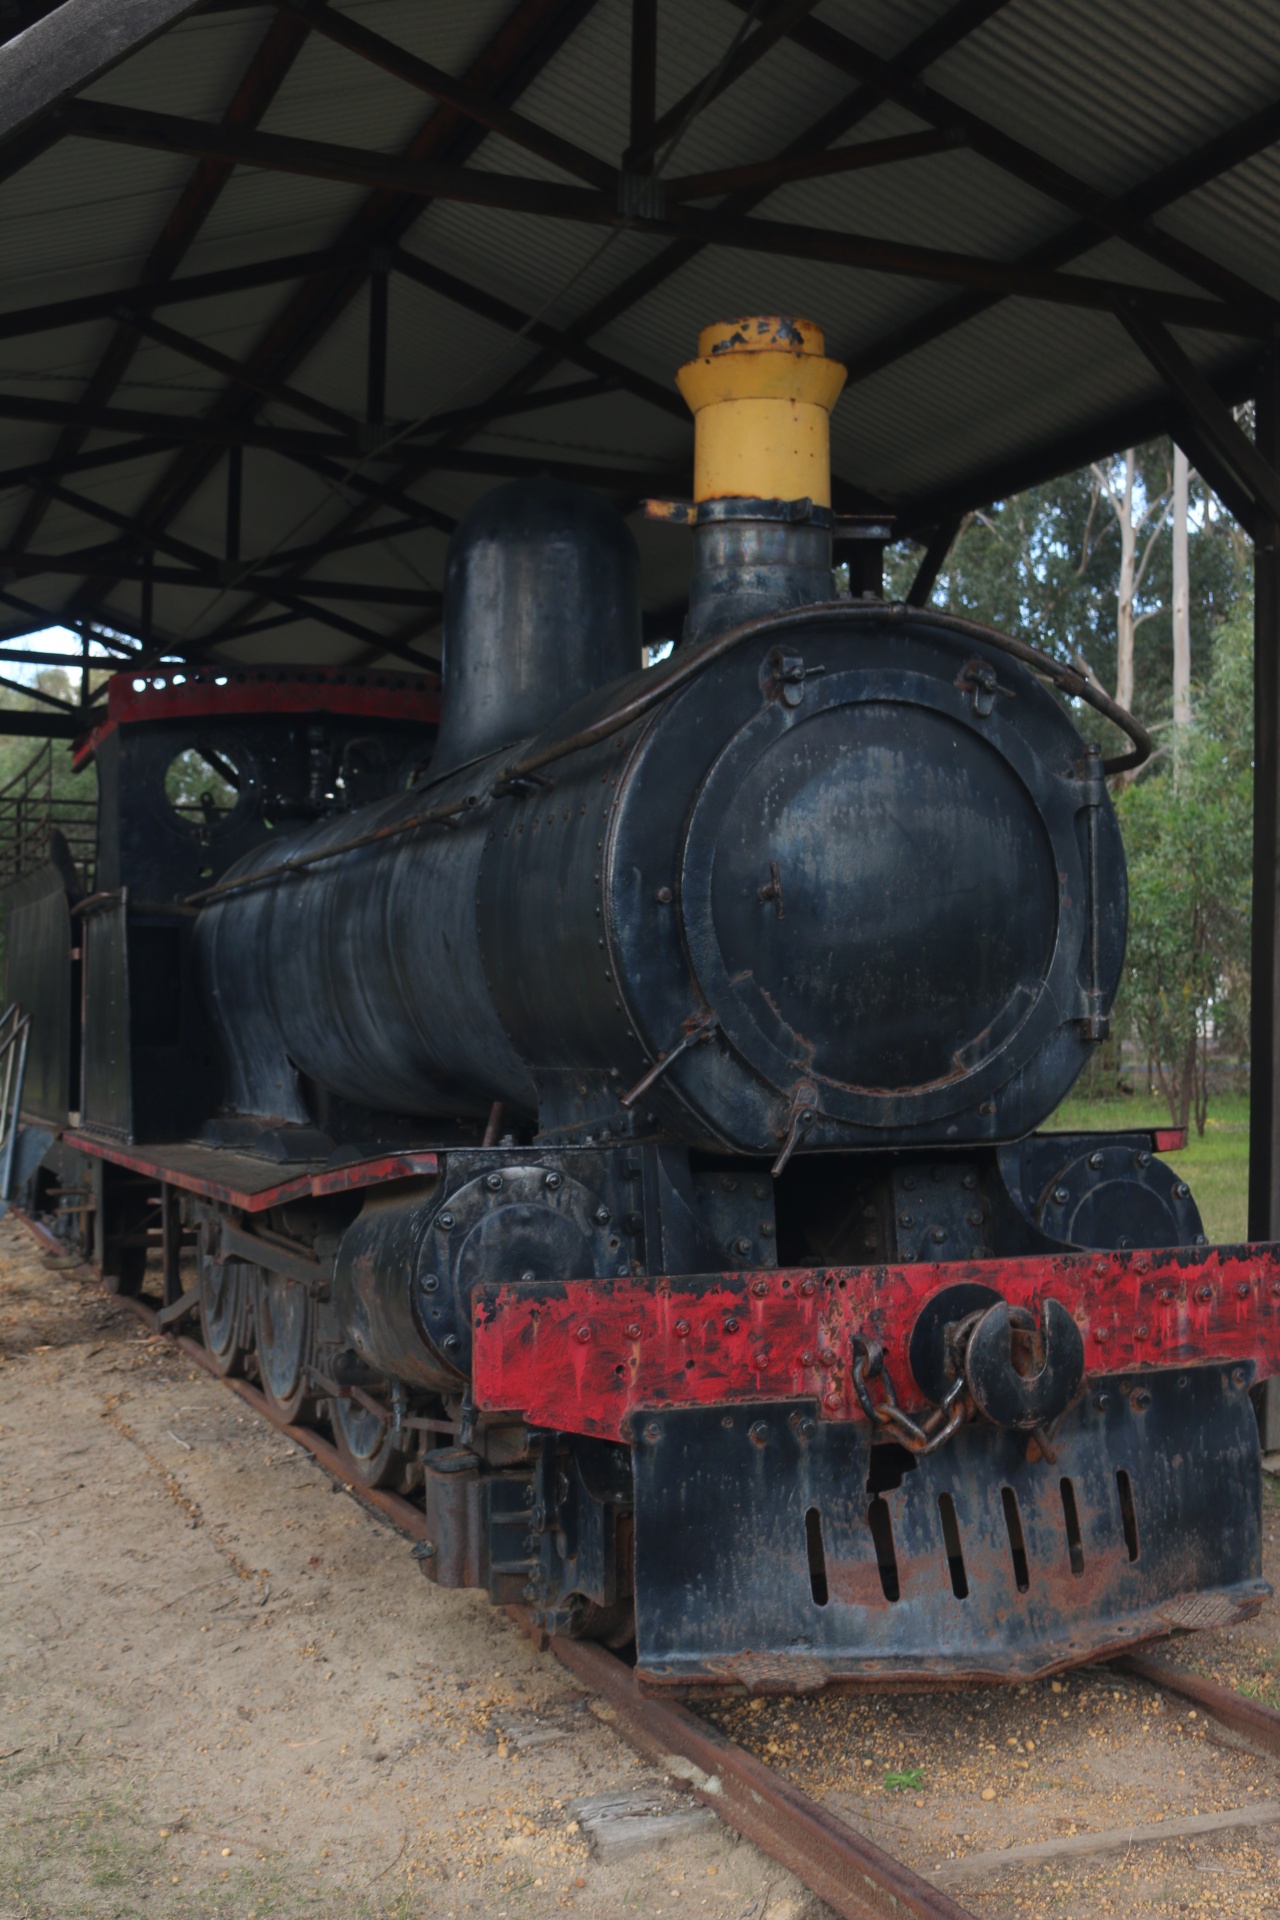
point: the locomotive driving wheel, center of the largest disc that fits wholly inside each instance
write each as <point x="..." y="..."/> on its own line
<point x="225" y="1308"/>
<point x="282" y="1323"/>
<point x="367" y="1449"/>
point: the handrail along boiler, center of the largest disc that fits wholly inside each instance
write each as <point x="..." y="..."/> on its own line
<point x="611" y="1102"/>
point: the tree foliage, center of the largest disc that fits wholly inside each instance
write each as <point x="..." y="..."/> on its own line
<point x="1049" y="564"/>
<point x="1187" y="832"/>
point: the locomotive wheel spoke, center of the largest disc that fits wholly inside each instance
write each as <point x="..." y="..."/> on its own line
<point x="282" y="1319"/>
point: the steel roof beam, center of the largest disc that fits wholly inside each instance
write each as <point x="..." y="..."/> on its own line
<point x="938" y="546"/>
<point x="122" y="302"/>
<point x="285" y="395"/>
<point x="1131" y="427"/>
<point x="1208" y="428"/>
<point x="199" y="430"/>
<point x="644" y="76"/>
<point x="961" y="19"/>
<point x="278" y="391"/>
<point x="258" y="87"/>
<point x="109" y="562"/>
<point x="354" y="166"/>
<point x="1109" y="216"/>
<point x="69" y="48"/>
<point x="1186" y="175"/>
<point x="767" y="175"/>
<point x="775" y="24"/>
<point x="527" y="39"/>
<point x="476" y="105"/>
<point x="564" y="343"/>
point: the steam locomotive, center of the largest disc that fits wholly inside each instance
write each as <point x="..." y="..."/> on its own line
<point x="608" y="1097"/>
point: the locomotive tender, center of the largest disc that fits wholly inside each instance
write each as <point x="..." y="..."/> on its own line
<point x="610" y="1102"/>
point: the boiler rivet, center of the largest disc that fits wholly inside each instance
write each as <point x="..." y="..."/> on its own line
<point x="807" y="1287"/>
<point x="806" y="1359"/>
<point x="601" y="1216"/>
<point x="633" y="1331"/>
<point x="832" y="1400"/>
<point x="451" y="1343"/>
<point x="731" y="1325"/>
<point x="937" y="1235"/>
<point x="1166" y="1296"/>
<point x="759" y="1434"/>
<point x="430" y="1281"/>
<point x="1142" y="1159"/>
<point x="1061" y="1195"/>
<point x="1102" y="1401"/>
<point x="583" y="1334"/>
<point x="682" y="1328"/>
<point x="663" y="896"/>
<point x="446" y="1220"/>
<point x="1095" y="1161"/>
<point x="1243" y="1289"/>
<point x="493" y="1181"/>
<point x="553" y="1180"/>
<point x="1204" y="1293"/>
<point x="1182" y="1190"/>
<point x="761" y="1287"/>
<point x="742" y="1248"/>
<point x="652" y="1433"/>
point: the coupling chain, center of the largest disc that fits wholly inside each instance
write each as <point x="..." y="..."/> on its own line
<point x="918" y="1436"/>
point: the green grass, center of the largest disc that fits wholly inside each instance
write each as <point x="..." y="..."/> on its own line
<point x="1215" y="1166"/>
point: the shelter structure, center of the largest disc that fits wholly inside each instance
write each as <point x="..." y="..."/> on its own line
<point x="288" y="286"/>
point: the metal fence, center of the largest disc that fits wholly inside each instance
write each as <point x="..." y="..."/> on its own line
<point x="30" y="808"/>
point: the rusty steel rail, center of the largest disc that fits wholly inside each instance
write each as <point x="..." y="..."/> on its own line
<point x="856" y="1878"/>
<point x="1254" y="1723"/>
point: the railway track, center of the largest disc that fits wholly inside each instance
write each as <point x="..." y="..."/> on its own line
<point x="856" y="1878"/>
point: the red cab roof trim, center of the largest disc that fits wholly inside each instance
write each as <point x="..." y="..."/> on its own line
<point x="192" y="693"/>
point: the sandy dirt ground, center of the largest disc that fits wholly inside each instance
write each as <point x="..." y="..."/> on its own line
<point x="226" y="1692"/>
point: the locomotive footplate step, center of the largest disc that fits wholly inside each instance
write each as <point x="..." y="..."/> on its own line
<point x="775" y="1550"/>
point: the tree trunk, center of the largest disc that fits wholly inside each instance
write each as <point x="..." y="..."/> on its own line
<point x="1187" y="1083"/>
<point x="1124" y="608"/>
<point x="1181" y="593"/>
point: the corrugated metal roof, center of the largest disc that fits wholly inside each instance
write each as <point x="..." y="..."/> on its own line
<point x="947" y="395"/>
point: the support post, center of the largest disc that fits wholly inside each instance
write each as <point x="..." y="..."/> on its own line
<point x="171" y="1241"/>
<point x="1264" y="1052"/>
<point x="1264" y="1082"/>
<point x="376" y="403"/>
<point x="644" y="70"/>
<point x="235" y="493"/>
<point x="940" y="543"/>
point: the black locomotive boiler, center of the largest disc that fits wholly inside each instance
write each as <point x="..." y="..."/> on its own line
<point x="615" y="1111"/>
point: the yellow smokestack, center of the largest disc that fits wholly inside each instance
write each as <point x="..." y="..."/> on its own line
<point x="761" y="393"/>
